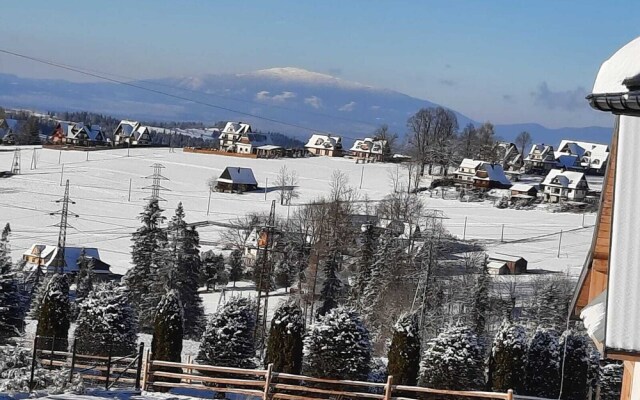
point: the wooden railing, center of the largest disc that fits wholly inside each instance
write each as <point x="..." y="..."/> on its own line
<point x="268" y="384"/>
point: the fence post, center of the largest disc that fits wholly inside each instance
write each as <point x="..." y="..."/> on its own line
<point x="53" y="348"/>
<point x="106" y="384"/>
<point x="139" y="369"/>
<point x="33" y="362"/>
<point x="510" y="394"/>
<point x="267" y="382"/>
<point x="388" y="388"/>
<point x="145" y="370"/>
<point x="189" y="370"/>
<point x="73" y="359"/>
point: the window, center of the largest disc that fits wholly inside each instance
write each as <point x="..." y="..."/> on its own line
<point x="319" y="141"/>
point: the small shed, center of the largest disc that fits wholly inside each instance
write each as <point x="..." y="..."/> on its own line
<point x="270" y="151"/>
<point x="523" y="191"/>
<point x="504" y="264"/>
<point x="236" y="179"/>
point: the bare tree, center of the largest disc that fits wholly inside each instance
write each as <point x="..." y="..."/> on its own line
<point x="444" y="136"/>
<point x="487" y="143"/>
<point x="383" y="133"/>
<point x="523" y="140"/>
<point x="286" y="182"/>
<point x="420" y="136"/>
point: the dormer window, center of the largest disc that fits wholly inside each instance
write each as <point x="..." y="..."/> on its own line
<point x="319" y="141"/>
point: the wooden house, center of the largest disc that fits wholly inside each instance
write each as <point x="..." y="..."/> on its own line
<point x="523" y="191"/>
<point x="44" y="256"/>
<point x="607" y="298"/>
<point x="324" y="145"/>
<point x="236" y="179"/>
<point x="480" y="175"/>
<point x="561" y="185"/>
<point x="369" y="149"/>
<point x="504" y="264"/>
<point x="592" y="158"/>
<point x="509" y="156"/>
<point x="540" y="160"/>
<point x="8" y="130"/>
<point x="77" y="134"/>
<point x="131" y="133"/>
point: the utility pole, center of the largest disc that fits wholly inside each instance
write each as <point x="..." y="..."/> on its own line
<point x="266" y="185"/>
<point x="59" y="156"/>
<point x="265" y="274"/>
<point x="559" y="243"/>
<point x="34" y="160"/>
<point x="15" y="164"/>
<point x="129" y="199"/>
<point x="502" y="234"/>
<point x="62" y="175"/>
<point x="155" y="187"/>
<point x="209" y="201"/>
<point x="60" y="262"/>
<point x="464" y="232"/>
<point x="361" y="176"/>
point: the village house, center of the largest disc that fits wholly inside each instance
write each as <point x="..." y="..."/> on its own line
<point x="131" y="133"/>
<point x="236" y="179"/>
<point x="324" y="145"/>
<point x="77" y="134"/>
<point x="42" y="255"/>
<point x="368" y="149"/>
<point x="540" y="160"/>
<point x="8" y="130"/>
<point x="231" y="135"/>
<point x="510" y="157"/>
<point x="504" y="264"/>
<point x="562" y="185"/>
<point x="592" y="158"/>
<point x="480" y="175"/>
<point x="607" y="298"/>
<point x="523" y="191"/>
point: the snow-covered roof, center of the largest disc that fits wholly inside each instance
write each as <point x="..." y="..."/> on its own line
<point x="566" y="160"/>
<point x="369" y="145"/>
<point x="238" y="176"/>
<point x="522" y="187"/>
<point x="470" y="164"/>
<point x="236" y="128"/>
<point x="495" y="173"/>
<point x="269" y="147"/>
<point x="567" y="179"/>
<point x="11" y="123"/>
<point x="620" y="66"/>
<point x="540" y="148"/>
<point x="71" y="255"/>
<point x="133" y="129"/>
<point x="588" y="154"/>
<point x="321" y="141"/>
<point x="504" y="257"/>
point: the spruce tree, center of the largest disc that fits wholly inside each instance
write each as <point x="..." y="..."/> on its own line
<point x="184" y="242"/>
<point x="228" y="338"/>
<point x="576" y="365"/>
<point x="508" y="359"/>
<point x="543" y="364"/>
<point x="236" y="266"/>
<point x="147" y="278"/>
<point x="338" y="346"/>
<point x="364" y="263"/>
<point x="553" y="304"/>
<point x="11" y="310"/>
<point x="480" y="300"/>
<point x="285" y="342"/>
<point x="332" y="285"/>
<point x="610" y="381"/>
<point x="106" y="322"/>
<point x="404" y="353"/>
<point x="166" y="344"/>
<point x="213" y="270"/>
<point x="85" y="277"/>
<point x="454" y="360"/>
<point x="286" y="272"/>
<point x="54" y="312"/>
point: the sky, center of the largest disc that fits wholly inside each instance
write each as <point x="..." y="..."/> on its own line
<point x="503" y="61"/>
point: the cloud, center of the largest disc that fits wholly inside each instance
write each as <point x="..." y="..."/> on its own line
<point x="348" y="107"/>
<point x="568" y="100"/>
<point x="313" y="101"/>
<point x="447" y="82"/>
<point x="277" y="98"/>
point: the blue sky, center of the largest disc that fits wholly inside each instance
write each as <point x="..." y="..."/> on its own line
<point x="504" y="61"/>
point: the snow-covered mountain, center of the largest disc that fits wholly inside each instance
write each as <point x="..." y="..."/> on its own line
<point x="304" y="100"/>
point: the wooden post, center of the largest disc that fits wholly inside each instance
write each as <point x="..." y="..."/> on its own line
<point x="106" y="383"/>
<point x="464" y="232"/>
<point x="87" y="151"/>
<point x="61" y="174"/>
<point x="139" y="367"/>
<point x="53" y="348"/>
<point x="267" y="382"/>
<point x="266" y="185"/>
<point x="559" y="243"/>
<point x="146" y="366"/>
<point x="73" y="359"/>
<point x="189" y="370"/>
<point x="510" y="394"/>
<point x="388" y="388"/>
<point x="361" y="176"/>
<point x="33" y="362"/>
<point x="502" y="234"/>
<point x="209" y="201"/>
<point x="59" y="156"/>
<point x="130" y="179"/>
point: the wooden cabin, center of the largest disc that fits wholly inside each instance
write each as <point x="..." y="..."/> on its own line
<point x="236" y="179"/>
<point x="504" y="264"/>
<point x="324" y="145"/>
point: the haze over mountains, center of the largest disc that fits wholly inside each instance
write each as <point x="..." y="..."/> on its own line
<point x="303" y="99"/>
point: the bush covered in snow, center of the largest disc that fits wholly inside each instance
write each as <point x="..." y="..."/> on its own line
<point x="542" y="378"/>
<point x="404" y="353"/>
<point x="54" y="312"/>
<point x="610" y="381"/>
<point x="508" y="359"/>
<point x="338" y="346"/>
<point x="166" y="344"/>
<point x="576" y="365"/>
<point x="285" y="345"/>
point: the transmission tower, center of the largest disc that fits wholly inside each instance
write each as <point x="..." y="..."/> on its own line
<point x="156" y="179"/>
<point x="59" y="262"/>
<point x="15" y="165"/>
<point x="265" y="273"/>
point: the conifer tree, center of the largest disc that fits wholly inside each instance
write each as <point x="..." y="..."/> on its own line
<point x="85" y="277"/>
<point x="543" y="364"/>
<point x="213" y="270"/>
<point x="480" y="300"/>
<point x="236" y="266"/>
<point x="338" y="346"/>
<point x="53" y="315"/>
<point x="454" y="360"/>
<point x="148" y="276"/>
<point x="404" y="353"/>
<point x="166" y="344"/>
<point x="286" y="272"/>
<point x="576" y="365"/>
<point x="610" y="381"/>
<point x="284" y="345"/>
<point x="184" y="242"/>
<point x="106" y="322"/>
<point x="228" y="338"/>
<point x="11" y="310"/>
<point x="553" y="304"/>
<point x="364" y="263"/>
<point x="508" y="359"/>
<point x="332" y="285"/>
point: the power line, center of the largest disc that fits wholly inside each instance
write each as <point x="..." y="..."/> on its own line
<point x="60" y="261"/>
<point x="155" y="186"/>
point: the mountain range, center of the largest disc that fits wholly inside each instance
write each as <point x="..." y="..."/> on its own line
<point x="288" y="100"/>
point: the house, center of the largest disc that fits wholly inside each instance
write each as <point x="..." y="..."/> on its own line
<point x="590" y="157"/>
<point x="77" y="134"/>
<point x="257" y="240"/>
<point x="8" y="130"/>
<point x="324" y="145"/>
<point x="466" y="171"/>
<point x="231" y="134"/>
<point x="236" y="179"/>
<point x="540" y="160"/>
<point x="369" y="149"/>
<point x="504" y="264"/>
<point x="560" y="185"/>
<point x="523" y="191"/>
<point x="480" y="174"/>
<point x="45" y="255"/>
<point x="509" y="156"/>
<point x="607" y="298"/>
<point x="249" y="143"/>
<point x="270" y="151"/>
<point x="131" y="133"/>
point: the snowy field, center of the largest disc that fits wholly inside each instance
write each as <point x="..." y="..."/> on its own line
<point x="100" y="188"/>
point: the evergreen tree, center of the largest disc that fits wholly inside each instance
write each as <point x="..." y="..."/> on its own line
<point x="338" y="346"/>
<point x="228" y="338"/>
<point x="148" y="276"/>
<point x="85" y="277"/>
<point x="553" y="304"/>
<point x="364" y="263"/>
<point x="508" y="359"/>
<point x="106" y="322"/>
<point x="37" y="280"/>
<point x="454" y="360"/>
<point x="284" y="345"/>
<point x="576" y="365"/>
<point x="166" y="344"/>
<point x="610" y="381"/>
<point x="53" y="315"/>
<point x="332" y="285"/>
<point x="404" y="353"/>
<point x="480" y="300"/>
<point x="286" y="272"/>
<point x="236" y="266"/>
<point x="11" y="310"/>
<point x="213" y="270"/>
<point x="543" y="364"/>
<point x="184" y="242"/>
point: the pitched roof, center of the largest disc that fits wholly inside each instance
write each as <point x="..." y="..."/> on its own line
<point x="238" y="176"/>
<point x="71" y="255"/>
<point x="470" y="163"/>
<point x="321" y="141"/>
<point x="495" y="173"/>
<point x="369" y="145"/>
<point x="522" y="187"/>
<point x="567" y="179"/>
<point x="236" y="128"/>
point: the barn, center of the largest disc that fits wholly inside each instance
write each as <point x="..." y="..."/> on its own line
<point x="504" y="264"/>
<point x="236" y="179"/>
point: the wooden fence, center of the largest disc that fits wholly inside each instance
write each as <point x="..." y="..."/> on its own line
<point x="268" y="384"/>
